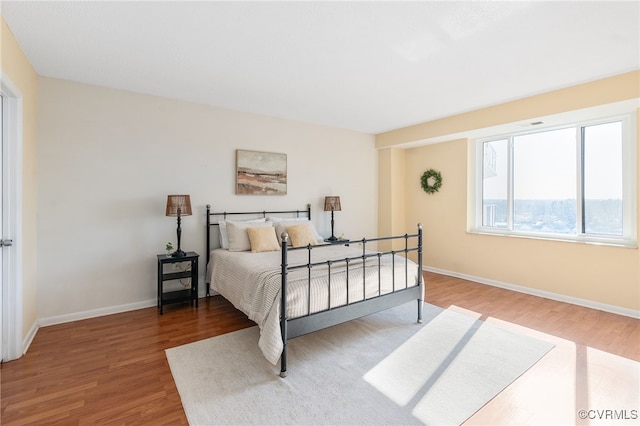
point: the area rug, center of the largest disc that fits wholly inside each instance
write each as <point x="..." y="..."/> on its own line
<point x="381" y="369"/>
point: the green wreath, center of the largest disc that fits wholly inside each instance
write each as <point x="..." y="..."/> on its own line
<point x="437" y="181"/>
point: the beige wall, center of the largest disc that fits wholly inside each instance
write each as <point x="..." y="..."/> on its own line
<point x="108" y="159"/>
<point x="610" y="90"/>
<point x="601" y="274"/>
<point x="18" y="69"/>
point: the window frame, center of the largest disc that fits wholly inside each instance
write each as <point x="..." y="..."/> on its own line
<point x="629" y="184"/>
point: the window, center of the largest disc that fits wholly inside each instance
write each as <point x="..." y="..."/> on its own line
<point x="574" y="182"/>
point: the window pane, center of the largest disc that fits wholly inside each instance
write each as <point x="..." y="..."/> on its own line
<point x="544" y="182"/>
<point x="494" y="183"/>
<point x="603" y="179"/>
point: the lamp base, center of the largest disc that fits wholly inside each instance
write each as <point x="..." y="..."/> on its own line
<point x="178" y="253"/>
<point x="332" y="238"/>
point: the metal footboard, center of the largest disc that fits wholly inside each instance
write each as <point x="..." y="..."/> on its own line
<point x="310" y="322"/>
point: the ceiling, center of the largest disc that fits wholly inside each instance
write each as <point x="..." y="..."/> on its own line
<point x="366" y="66"/>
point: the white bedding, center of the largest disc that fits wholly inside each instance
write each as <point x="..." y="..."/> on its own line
<point x="251" y="282"/>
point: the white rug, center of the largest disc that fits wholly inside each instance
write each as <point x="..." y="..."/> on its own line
<point x="381" y="369"/>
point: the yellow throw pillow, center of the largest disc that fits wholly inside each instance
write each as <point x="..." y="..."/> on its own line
<point x="301" y="235"/>
<point x="263" y="239"/>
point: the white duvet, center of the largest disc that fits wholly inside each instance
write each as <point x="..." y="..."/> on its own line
<point x="251" y="282"/>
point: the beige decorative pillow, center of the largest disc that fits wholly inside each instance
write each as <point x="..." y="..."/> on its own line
<point x="301" y="235"/>
<point x="238" y="237"/>
<point x="283" y="225"/>
<point x="263" y="239"/>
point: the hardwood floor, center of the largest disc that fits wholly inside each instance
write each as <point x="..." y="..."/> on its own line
<point x="112" y="369"/>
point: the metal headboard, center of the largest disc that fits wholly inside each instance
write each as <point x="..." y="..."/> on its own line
<point x="264" y="213"/>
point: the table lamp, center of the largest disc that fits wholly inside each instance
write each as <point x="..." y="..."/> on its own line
<point x="178" y="205"/>
<point x="332" y="204"/>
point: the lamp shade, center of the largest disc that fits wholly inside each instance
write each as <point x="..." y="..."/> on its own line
<point x="178" y="205"/>
<point x="332" y="204"/>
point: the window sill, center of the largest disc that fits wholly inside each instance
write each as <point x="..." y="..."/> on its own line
<point x="600" y="241"/>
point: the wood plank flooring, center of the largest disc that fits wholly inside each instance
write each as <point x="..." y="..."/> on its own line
<point x="112" y="369"/>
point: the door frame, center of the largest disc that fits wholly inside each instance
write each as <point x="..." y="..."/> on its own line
<point x="11" y="297"/>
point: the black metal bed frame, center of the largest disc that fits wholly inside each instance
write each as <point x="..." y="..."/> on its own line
<point x="298" y="213"/>
<point x="294" y="327"/>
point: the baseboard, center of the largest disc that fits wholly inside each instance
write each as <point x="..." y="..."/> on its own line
<point x="77" y="316"/>
<point x="540" y="293"/>
<point x="28" y="339"/>
<point x="60" y="319"/>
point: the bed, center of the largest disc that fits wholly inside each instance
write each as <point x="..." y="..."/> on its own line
<point x="299" y="283"/>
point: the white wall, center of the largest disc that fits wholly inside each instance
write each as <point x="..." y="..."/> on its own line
<point x="108" y="159"/>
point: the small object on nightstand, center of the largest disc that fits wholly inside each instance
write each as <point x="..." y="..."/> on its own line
<point x="339" y="240"/>
<point x="185" y="295"/>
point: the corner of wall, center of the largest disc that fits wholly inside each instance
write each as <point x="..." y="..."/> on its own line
<point x="391" y="192"/>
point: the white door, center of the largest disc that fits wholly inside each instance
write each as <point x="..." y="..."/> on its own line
<point x="11" y="333"/>
<point x="1" y="207"/>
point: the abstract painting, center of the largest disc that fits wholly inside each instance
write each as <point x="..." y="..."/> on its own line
<point x="262" y="173"/>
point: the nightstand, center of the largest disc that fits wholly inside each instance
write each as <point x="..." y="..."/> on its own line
<point x="187" y="268"/>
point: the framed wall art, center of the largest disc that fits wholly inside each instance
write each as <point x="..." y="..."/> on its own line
<point x="261" y="173"/>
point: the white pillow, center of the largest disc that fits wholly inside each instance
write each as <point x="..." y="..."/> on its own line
<point x="222" y="226"/>
<point x="281" y="227"/>
<point x="238" y="237"/>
